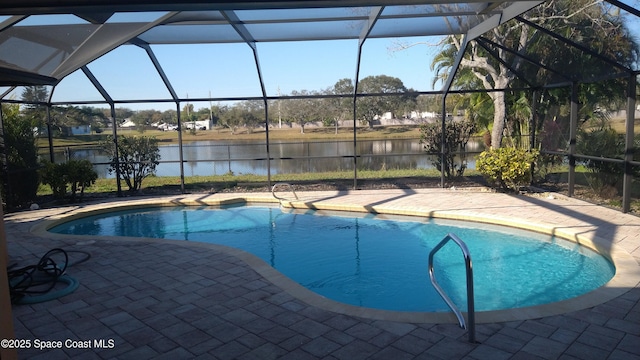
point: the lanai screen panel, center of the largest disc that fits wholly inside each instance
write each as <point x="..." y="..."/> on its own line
<point x="316" y="24"/>
<point x="39" y="44"/>
<point x="58" y="44"/>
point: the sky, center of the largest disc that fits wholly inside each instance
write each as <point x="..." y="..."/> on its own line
<point x="229" y="70"/>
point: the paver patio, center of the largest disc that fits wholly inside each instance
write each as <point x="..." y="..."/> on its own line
<point x="179" y="300"/>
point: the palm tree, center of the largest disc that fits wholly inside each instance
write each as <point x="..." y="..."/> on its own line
<point x="583" y="21"/>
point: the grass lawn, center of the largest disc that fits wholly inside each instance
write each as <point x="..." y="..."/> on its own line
<point x="619" y="126"/>
<point x="199" y="183"/>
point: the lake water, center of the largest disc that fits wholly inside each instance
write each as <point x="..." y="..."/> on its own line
<point x="250" y="157"/>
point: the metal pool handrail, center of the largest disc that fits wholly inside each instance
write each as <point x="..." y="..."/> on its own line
<point x="470" y="299"/>
<point x="273" y="189"/>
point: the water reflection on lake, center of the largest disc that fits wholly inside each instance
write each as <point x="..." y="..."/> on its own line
<point x="250" y="157"/>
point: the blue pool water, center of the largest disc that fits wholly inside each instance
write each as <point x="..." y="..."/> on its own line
<point x="367" y="261"/>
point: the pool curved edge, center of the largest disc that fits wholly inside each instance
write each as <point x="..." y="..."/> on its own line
<point x="627" y="275"/>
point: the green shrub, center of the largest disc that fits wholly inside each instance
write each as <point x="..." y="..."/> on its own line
<point x="137" y="158"/>
<point x="607" y="143"/>
<point x="19" y="157"/>
<point x="74" y="174"/>
<point x="507" y="167"/>
<point x="54" y="175"/>
<point x="81" y="176"/>
<point x="457" y="134"/>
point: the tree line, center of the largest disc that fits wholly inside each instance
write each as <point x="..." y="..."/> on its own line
<point x="329" y="106"/>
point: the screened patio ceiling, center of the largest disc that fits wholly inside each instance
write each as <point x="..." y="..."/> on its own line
<point x="42" y="42"/>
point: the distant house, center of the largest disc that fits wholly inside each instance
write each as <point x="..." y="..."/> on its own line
<point x="386" y="116"/>
<point x="127" y="123"/>
<point x="199" y="125"/>
<point x="80" y="130"/>
<point x="424" y="115"/>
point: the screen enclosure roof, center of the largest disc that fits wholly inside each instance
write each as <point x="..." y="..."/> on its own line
<point x="41" y="41"/>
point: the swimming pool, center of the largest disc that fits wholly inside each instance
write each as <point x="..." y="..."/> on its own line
<point x="367" y="261"/>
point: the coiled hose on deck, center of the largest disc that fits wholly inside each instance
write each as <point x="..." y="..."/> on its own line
<point x="39" y="283"/>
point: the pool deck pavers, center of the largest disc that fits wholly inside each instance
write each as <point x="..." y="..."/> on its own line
<point x="161" y="299"/>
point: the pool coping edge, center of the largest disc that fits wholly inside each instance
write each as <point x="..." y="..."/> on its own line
<point x="627" y="274"/>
